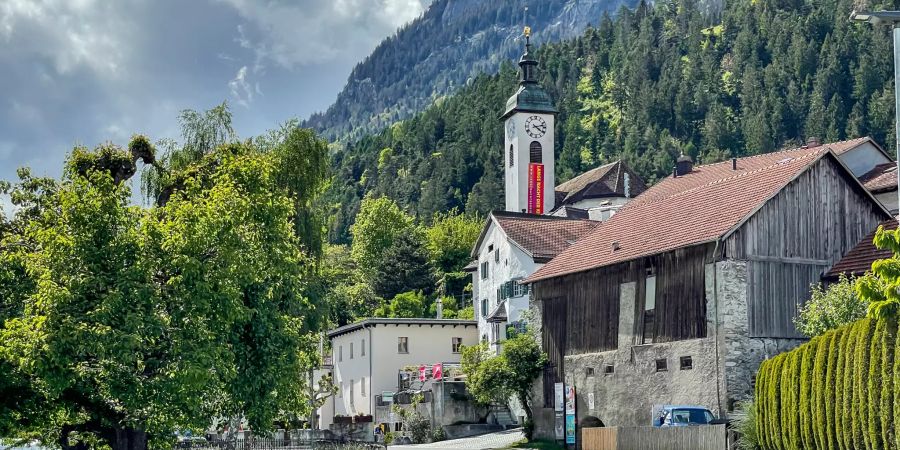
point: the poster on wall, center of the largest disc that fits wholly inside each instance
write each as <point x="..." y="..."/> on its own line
<point x="591" y="401"/>
<point x="559" y="404"/>
<point x="558" y="397"/>
<point x="536" y="188"/>
<point x="570" y="414"/>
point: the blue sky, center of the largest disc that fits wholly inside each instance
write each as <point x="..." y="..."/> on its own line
<point x="89" y="71"/>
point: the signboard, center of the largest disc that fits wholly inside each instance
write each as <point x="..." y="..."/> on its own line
<point x="570" y="414"/>
<point x="591" y="401"/>
<point x="558" y="397"/>
<point x="535" y="188"/>
<point x="387" y="397"/>
<point x="559" y="426"/>
<point x="422" y="374"/>
<point x="570" y="429"/>
<point x="437" y="371"/>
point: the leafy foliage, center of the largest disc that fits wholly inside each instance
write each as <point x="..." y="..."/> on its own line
<point x="121" y="311"/>
<point x="830" y="308"/>
<point x="450" y="238"/>
<point x="404" y="305"/>
<point x="380" y="221"/>
<point x="492" y="378"/>
<point x="403" y="267"/>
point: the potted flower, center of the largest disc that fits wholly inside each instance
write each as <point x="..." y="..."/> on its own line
<point x="340" y="419"/>
<point x="362" y="418"/>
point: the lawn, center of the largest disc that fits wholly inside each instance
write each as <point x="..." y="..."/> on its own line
<point x="538" y="444"/>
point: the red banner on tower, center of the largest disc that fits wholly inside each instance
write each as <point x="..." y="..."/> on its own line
<point x="536" y="188"/>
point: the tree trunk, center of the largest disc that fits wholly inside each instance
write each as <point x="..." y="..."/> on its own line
<point x="528" y="426"/>
<point x="128" y="439"/>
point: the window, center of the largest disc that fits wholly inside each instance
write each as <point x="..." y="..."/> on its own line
<point x="589" y="371"/>
<point x="351" y="392"/>
<point x="484" y="270"/>
<point x="340" y="392"/>
<point x="649" y="330"/>
<point x="662" y="365"/>
<point x="484" y="307"/>
<point x="351" y="350"/>
<point x="497" y="255"/>
<point x="340" y="353"/>
<point x="512" y="156"/>
<point x="402" y="344"/>
<point x="362" y="386"/>
<point x="456" y="344"/>
<point x="686" y="363"/>
<point x="362" y="348"/>
<point x="609" y="369"/>
<point x="535" y="152"/>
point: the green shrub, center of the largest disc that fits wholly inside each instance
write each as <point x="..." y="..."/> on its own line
<point x="747" y="426"/>
<point x="834" y="392"/>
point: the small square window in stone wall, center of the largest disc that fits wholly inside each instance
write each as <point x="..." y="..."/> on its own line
<point x="609" y="369"/>
<point x="687" y="363"/>
<point x="662" y="365"/>
<point x="590" y="371"/>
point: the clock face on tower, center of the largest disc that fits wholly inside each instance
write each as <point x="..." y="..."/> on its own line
<point x="510" y="128"/>
<point x="535" y="126"/>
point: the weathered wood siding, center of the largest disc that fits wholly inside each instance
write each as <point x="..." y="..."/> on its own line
<point x="794" y="238"/>
<point x="580" y="312"/>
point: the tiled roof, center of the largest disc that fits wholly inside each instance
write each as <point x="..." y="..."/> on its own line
<point x="605" y="181"/>
<point x="860" y="258"/>
<point x="692" y="209"/>
<point x="542" y="237"/>
<point x="839" y="148"/>
<point x="881" y="178"/>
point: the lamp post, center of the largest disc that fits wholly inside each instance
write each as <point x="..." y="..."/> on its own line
<point x="891" y="18"/>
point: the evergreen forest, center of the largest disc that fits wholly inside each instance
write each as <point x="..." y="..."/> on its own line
<point x="644" y="85"/>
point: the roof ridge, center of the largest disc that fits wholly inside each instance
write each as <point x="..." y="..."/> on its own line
<point x="816" y="150"/>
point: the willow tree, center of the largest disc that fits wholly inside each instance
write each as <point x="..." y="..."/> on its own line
<point x="138" y="322"/>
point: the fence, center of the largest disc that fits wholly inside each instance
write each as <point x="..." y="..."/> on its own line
<point x="707" y="437"/>
<point x="276" y="444"/>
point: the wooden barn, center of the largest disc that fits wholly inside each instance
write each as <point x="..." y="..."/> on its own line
<point x="680" y="295"/>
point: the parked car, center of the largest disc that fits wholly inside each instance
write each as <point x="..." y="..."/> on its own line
<point x="682" y="416"/>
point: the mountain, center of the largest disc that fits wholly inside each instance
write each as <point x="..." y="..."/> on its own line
<point x="445" y="48"/>
<point x="647" y="86"/>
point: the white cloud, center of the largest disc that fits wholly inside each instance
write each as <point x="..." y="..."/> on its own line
<point x="71" y="34"/>
<point x="240" y="88"/>
<point x="292" y="34"/>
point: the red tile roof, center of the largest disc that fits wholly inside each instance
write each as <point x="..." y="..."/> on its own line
<point x="692" y="209"/>
<point x="542" y="237"/>
<point x="881" y="178"/>
<point x="860" y="258"/>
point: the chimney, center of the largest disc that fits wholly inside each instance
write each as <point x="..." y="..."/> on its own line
<point x="439" y="306"/>
<point x="627" y="182"/>
<point x="615" y="245"/>
<point x="812" y="142"/>
<point x="733" y="163"/>
<point x="684" y="165"/>
<point x="674" y="171"/>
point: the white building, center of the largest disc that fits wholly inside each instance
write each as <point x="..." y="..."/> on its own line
<point x="511" y="247"/>
<point x="368" y="355"/>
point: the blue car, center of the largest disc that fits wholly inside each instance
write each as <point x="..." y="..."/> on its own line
<point x="682" y="416"/>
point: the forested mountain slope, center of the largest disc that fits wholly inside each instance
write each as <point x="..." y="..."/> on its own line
<point x="646" y="86"/>
<point x="452" y="42"/>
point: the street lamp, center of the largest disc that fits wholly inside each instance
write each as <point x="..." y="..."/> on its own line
<point x="888" y="18"/>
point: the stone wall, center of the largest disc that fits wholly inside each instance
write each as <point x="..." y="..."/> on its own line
<point x="742" y="353"/>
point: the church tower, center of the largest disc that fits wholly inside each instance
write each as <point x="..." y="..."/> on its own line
<point x="528" y="147"/>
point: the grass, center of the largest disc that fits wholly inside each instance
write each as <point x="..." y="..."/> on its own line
<point x="538" y="444"/>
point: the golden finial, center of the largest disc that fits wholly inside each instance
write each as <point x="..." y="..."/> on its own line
<point x="527" y="31"/>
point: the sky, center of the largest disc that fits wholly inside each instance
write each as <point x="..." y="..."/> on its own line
<point x="83" y="72"/>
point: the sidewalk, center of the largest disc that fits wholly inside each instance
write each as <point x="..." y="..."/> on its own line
<point x="500" y="439"/>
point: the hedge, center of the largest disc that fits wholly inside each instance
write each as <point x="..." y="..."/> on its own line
<point x="834" y="392"/>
